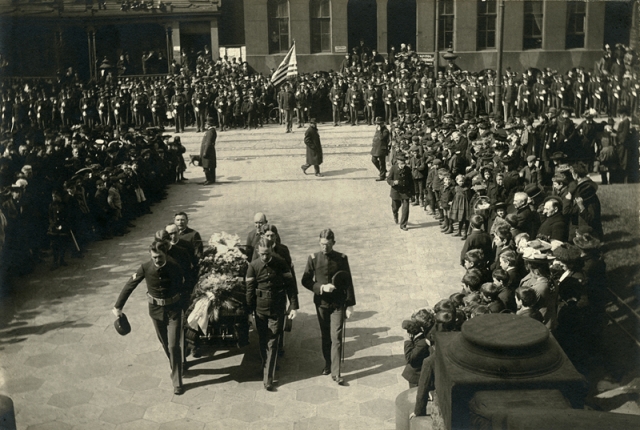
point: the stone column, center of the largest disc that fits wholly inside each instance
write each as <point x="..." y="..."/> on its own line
<point x="175" y="41"/>
<point x="425" y="25"/>
<point x="382" y="26"/>
<point x="594" y="29"/>
<point x="554" y="25"/>
<point x="215" y="40"/>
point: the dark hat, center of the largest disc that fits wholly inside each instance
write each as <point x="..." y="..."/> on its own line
<point x="122" y="325"/>
<point x="531" y="158"/>
<point x="437" y="162"/>
<point x="552" y="111"/>
<point x="567" y="109"/>
<point x="558" y="156"/>
<point x="560" y="178"/>
<point x="500" y="205"/>
<point x="379" y="120"/>
<point x="532" y="190"/>
<point x="587" y="242"/>
<point x="567" y="253"/>
<point x="313" y="121"/>
<point x="400" y="157"/>
<point x="584" y="230"/>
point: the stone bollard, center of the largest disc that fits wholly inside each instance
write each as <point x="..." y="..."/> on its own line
<point x="7" y="414"/>
<point x="404" y="406"/>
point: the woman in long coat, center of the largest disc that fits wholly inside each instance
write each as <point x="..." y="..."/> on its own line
<point x="314" y="148"/>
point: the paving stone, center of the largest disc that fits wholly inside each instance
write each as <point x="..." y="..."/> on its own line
<point x="20" y="385"/>
<point x="139" y="383"/>
<point x="64" y="338"/>
<point x="251" y="412"/>
<point x="139" y="425"/>
<point x="51" y="425"/>
<point x="44" y="360"/>
<point x="122" y="413"/>
<point x="226" y="424"/>
<point x="152" y="397"/>
<point x="317" y="423"/>
<point x="193" y="398"/>
<point x="182" y="424"/>
<point x="165" y="412"/>
<point x="210" y="412"/>
<point x="94" y="425"/>
<point x="317" y="395"/>
<point x="378" y="408"/>
<point x="70" y="398"/>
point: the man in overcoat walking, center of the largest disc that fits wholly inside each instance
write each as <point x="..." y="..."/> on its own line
<point x="208" y="152"/>
<point x="402" y="190"/>
<point x="314" y="148"/>
<point x="380" y="149"/>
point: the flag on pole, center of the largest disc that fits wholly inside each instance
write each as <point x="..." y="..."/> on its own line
<point x="288" y="67"/>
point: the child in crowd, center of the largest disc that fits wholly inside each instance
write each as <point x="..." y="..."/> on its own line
<point x="527" y="302"/>
<point x="446" y="197"/>
<point x="478" y="239"/>
<point x="459" y="211"/>
<point x="416" y="348"/>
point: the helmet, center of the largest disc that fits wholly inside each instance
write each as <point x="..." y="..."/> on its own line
<point x="122" y="325"/>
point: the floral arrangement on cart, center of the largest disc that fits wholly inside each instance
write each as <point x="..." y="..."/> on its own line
<point x="218" y="307"/>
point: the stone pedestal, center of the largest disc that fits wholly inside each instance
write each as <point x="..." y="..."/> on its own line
<point x="500" y="352"/>
<point x="7" y="413"/>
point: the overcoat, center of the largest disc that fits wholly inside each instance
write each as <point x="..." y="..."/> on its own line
<point x="208" y="149"/>
<point x="314" y="147"/>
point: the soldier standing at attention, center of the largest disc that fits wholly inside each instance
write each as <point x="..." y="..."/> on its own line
<point x="333" y="305"/>
<point x="380" y="149"/>
<point x="269" y="284"/>
<point x="164" y="285"/>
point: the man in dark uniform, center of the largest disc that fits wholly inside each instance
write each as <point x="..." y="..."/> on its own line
<point x="269" y="284"/>
<point x="314" y="148"/>
<point x="164" y="284"/>
<point x="380" y="149"/>
<point x="333" y="305"/>
<point x="181" y="220"/>
<point x="402" y="190"/>
<point x="208" y="152"/>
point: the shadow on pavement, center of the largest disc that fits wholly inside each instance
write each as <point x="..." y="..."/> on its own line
<point x="341" y="172"/>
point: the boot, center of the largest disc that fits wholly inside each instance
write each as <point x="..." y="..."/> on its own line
<point x="464" y="234"/>
<point x="445" y="225"/>
<point x="449" y="230"/>
<point x="459" y="232"/>
<point x="439" y="215"/>
<point x="429" y="210"/>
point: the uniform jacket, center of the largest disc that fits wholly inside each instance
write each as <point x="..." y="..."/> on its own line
<point x="269" y="285"/>
<point x="193" y="237"/>
<point x="162" y="283"/>
<point x="319" y="270"/>
<point x="314" y="147"/>
<point x="208" y="149"/>
<point x="404" y="190"/>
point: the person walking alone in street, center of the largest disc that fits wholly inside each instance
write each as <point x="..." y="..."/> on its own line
<point x="380" y="149"/>
<point x="401" y="183"/>
<point x="314" y="148"/>
<point x="208" y="152"/>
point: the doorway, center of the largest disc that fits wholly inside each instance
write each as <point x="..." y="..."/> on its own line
<point x="401" y="23"/>
<point x="362" y="23"/>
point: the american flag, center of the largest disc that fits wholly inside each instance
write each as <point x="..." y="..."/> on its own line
<point x="288" y="67"/>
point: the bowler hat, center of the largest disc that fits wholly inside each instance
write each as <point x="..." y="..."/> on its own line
<point x="211" y="120"/>
<point x="122" y="325"/>
<point x="532" y="190"/>
<point x="313" y="121"/>
<point x="567" y="253"/>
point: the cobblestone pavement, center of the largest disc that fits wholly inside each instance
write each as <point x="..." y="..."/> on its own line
<point x="65" y="367"/>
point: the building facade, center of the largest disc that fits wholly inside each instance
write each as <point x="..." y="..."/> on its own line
<point x="548" y="33"/>
<point x="43" y="37"/>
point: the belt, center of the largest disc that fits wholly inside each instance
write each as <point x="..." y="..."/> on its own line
<point x="163" y="302"/>
<point x="268" y="293"/>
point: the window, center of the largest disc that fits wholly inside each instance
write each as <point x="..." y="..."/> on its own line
<point x="278" y="11"/>
<point x="532" y="31"/>
<point x="320" y="25"/>
<point x="487" y="24"/>
<point x="576" y="14"/>
<point x="445" y="24"/>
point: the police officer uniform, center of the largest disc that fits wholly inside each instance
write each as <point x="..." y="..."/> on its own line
<point x="269" y="284"/>
<point x="164" y="287"/>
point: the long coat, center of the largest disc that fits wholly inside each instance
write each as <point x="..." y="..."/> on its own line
<point x="314" y="147"/>
<point x="380" y="146"/>
<point x="404" y="190"/>
<point x="208" y="149"/>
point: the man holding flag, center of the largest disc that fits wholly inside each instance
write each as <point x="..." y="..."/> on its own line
<point x="287" y="68"/>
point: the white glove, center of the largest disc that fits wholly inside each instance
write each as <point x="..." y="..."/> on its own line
<point x="348" y="312"/>
<point x="292" y="314"/>
<point x="328" y="288"/>
<point x="117" y="312"/>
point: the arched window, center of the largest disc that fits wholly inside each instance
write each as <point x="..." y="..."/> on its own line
<point x="278" y="11"/>
<point x="320" y="14"/>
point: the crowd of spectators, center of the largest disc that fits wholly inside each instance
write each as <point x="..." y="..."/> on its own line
<point x="519" y="194"/>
